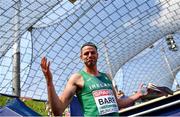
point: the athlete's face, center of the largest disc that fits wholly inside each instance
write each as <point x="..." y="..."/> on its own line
<point x="89" y="55"/>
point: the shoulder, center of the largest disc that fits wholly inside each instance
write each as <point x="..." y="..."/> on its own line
<point x="75" y="77"/>
<point x="108" y="75"/>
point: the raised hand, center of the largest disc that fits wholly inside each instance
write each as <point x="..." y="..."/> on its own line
<point x="45" y="66"/>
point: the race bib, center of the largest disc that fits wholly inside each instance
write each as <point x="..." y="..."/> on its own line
<point x="105" y="101"/>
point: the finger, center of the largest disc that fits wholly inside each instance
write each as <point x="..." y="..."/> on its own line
<point x="141" y="85"/>
<point x="43" y="59"/>
<point x="43" y="63"/>
<point x="49" y="64"/>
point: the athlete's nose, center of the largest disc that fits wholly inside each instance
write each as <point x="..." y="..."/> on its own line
<point x="90" y="54"/>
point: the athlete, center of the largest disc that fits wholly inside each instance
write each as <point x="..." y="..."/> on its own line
<point x="93" y="88"/>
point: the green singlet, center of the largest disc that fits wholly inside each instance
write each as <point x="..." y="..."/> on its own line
<point x="96" y="96"/>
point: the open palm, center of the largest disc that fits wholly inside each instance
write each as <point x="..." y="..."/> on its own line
<point x="45" y="66"/>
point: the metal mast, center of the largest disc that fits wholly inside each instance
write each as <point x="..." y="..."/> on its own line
<point x="169" y="67"/>
<point x="109" y="65"/>
<point x="16" y="52"/>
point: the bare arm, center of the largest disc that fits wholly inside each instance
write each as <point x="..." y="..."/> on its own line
<point x="122" y="103"/>
<point x="125" y="102"/>
<point x="58" y="103"/>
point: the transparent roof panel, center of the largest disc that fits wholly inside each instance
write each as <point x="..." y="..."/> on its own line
<point x="18" y="16"/>
<point x="158" y="65"/>
<point x="60" y="12"/>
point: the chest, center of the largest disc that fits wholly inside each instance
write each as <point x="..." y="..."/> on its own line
<point x="96" y="83"/>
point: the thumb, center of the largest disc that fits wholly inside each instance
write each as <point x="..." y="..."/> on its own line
<point x="140" y="86"/>
<point x="49" y="65"/>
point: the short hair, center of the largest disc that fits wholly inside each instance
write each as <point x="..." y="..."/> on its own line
<point x="88" y="44"/>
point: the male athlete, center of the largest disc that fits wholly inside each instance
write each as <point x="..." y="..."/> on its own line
<point x="93" y="88"/>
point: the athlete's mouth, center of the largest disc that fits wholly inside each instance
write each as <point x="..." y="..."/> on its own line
<point x="90" y="60"/>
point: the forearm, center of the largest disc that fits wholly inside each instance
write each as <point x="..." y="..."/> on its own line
<point x="54" y="101"/>
<point x="126" y="102"/>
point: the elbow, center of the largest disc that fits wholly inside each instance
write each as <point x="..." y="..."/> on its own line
<point x="124" y="103"/>
<point x="57" y="112"/>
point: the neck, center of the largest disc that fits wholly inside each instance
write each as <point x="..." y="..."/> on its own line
<point x="93" y="71"/>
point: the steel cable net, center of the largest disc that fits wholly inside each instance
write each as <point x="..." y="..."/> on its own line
<point x="122" y="30"/>
<point x="18" y="16"/>
<point x="156" y="65"/>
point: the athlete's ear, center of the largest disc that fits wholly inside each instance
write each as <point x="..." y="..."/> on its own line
<point x="81" y="55"/>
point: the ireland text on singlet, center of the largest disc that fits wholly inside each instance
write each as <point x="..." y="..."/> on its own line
<point x="96" y="96"/>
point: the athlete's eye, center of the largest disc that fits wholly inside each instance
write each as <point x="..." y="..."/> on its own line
<point x="92" y="53"/>
<point x="86" y="53"/>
